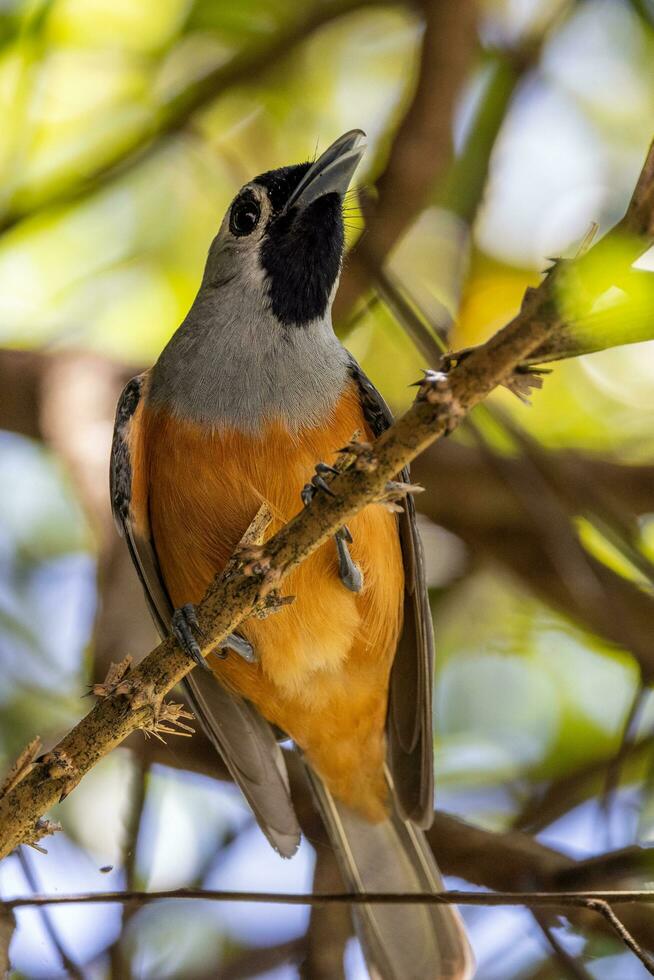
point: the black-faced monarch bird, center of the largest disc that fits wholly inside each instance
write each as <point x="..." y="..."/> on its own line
<point x="252" y="393"/>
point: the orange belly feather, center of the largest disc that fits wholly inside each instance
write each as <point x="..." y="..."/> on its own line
<point x="323" y="661"/>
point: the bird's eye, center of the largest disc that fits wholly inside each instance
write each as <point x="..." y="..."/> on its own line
<point x="244" y="216"/>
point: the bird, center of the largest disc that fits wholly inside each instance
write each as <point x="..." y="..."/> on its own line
<point x="246" y="408"/>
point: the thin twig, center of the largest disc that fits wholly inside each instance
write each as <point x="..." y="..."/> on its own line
<point x="544" y="899"/>
<point x="601" y="906"/>
<point x="597" y="901"/>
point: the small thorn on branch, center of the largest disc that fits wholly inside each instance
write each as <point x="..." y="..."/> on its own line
<point x="272" y="603"/>
<point x="58" y="764"/>
<point x="21" y="767"/>
<point x="167" y="715"/>
<point x="250" y="556"/>
<point x="348" y="452"/>
<point x="350" y="446"/>
<point x="42" y="828"/>
<point x="435" y="385"/>
<point x="119" y="682"/>
<point x="435" y="390"/>
<point x="360" y="455"/>
<point x="252" y="560"/>
<point x="113" y="682"/>
<point x="395" y="491"/>
<point x="523" y="380"/>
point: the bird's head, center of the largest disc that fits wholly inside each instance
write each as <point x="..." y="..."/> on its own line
<point x="283" y="234"/>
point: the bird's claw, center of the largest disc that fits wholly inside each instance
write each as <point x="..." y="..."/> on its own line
<point x="350" y="574"/>
<point x="240" y="646"/>
<point x="184" y="627"/>
<point x="318" y="482"/>
<point x="344" y="534"/>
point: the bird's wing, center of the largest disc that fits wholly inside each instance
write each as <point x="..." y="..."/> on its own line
<point x="409" y="719"/>
<point x="243" y="738"/>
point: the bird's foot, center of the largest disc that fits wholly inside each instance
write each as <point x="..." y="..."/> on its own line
<point x="318" y="482"/>
<point x="239" y="645"/>
<point x="184" y="627"/>
<point x="350" y="574"/>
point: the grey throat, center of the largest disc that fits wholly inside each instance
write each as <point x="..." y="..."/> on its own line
<point x="232" y="363"/>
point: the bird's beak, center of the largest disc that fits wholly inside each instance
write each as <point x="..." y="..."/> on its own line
<point x="332" y="171"/>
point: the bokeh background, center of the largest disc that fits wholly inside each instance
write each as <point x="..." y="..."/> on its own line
<point x="499" y="132"/>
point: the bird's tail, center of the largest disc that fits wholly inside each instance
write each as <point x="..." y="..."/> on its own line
<point x="401" y="942"/>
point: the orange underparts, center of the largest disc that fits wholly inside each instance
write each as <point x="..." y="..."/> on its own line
<point x="324" y="660"/>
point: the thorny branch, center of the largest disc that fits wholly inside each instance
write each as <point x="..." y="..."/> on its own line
<point x="466" y="493"/>
<point x="136" y="703"/>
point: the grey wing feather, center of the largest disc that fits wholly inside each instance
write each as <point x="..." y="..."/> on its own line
<point x="409" y="718"/>
<point x="243" y="738"/>
<point x="248" y="745"/>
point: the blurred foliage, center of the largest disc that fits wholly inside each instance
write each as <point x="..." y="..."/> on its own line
<point x="111" y="190"/>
